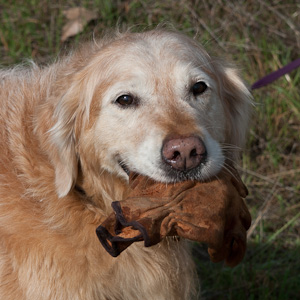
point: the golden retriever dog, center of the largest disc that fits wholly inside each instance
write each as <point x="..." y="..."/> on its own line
<point x="153" y="102"/>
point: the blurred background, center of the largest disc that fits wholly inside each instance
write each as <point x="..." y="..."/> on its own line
<point x="259" y="36"/>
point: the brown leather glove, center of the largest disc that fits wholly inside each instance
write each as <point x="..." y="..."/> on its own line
<point x="212" y="212"/>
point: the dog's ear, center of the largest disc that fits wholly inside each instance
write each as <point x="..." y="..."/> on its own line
<point x="71" y="114"/>
<point x="63" y="138"/>
<point x="237" y="102"/>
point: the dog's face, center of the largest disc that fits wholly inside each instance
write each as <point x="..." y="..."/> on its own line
<point x="161" y="115"/>
<point x="158" y="105"/>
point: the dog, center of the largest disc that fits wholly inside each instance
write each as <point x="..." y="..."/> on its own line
<point x="153" y="102"/>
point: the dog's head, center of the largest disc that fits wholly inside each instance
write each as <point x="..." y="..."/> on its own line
<point x="154" y="103"/>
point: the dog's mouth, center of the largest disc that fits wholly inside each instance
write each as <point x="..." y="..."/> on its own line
<point x="173" y="175"/>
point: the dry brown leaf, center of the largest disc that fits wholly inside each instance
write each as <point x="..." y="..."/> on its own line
<point x="77" y="17"/>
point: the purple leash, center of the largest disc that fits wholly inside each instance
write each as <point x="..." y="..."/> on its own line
<point x="276" y="74"/>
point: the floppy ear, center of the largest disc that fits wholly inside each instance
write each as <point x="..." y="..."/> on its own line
<point x="63" y="139"/>
<point x="71" y="114"/>
<point x="237" y="102"/>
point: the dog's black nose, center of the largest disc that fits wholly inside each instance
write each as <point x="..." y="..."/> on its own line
<point x="184" y="153"/>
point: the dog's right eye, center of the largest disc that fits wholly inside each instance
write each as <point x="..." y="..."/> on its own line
<point x="199" y="88"/>
<point x="125" y="100"/>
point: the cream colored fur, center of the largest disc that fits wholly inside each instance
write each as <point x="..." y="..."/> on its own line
<point x="60" y="126"/>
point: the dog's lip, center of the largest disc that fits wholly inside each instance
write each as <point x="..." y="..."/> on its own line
<point x="176" y="175"/>
<point x="124" y="167"/>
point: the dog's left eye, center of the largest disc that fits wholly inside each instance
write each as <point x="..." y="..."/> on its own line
<point x="125" y="100"/>
<point x="199" y="88"/>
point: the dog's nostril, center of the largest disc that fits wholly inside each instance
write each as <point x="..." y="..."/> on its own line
<point x="193" y="152"/>
<point x="176" y="154"/>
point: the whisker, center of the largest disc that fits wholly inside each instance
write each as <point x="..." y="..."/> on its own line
<point x="230" y="146"/>
<point x="228" y="168"/>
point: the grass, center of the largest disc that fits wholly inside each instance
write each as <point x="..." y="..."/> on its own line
<point x="259" y="36"/>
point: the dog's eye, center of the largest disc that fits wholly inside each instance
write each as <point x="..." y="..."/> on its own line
<point x="199" y="88"/>
<point x="125" y="100"/>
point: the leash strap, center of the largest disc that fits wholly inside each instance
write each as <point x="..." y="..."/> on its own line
<point x="276" y="74"/>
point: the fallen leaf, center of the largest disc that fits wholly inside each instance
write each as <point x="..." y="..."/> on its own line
<point x="77" y="17"/>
